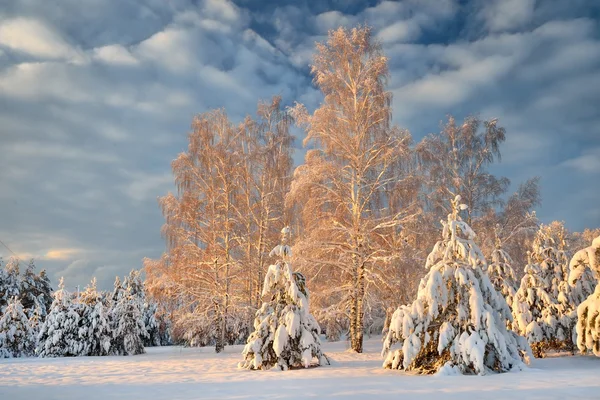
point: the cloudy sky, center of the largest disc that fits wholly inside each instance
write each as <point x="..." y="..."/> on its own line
<point x="96" y="99"/>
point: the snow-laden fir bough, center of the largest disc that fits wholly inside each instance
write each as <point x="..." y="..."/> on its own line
<point x="285" y="333"/>
<point x="457" y="324"/>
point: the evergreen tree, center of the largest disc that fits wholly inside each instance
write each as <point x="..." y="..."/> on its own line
<point x="538" y="313"/>
<point x="35" y="291"/>
<point x="28" y="293"/>
<point x="151" y="324"/>
<point x="16" y="336"/>
<point x="36" y="319"/>
<point x="588" y="324"/>
<point x="502" y="274"/>
<point x="44" y="291"/>
<point x="11" y="285"/>
<point x="458" y="321"/>
<point x="59" y="334"/>
<point x="117" y="291"/>
<point x="127" y="325"/>
<point x="94" y="327"/>
<point x="285" y="333"/>
<point x="3" y="283"/>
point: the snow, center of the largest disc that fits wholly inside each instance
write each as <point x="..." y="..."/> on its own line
<point x="198" y="373"/>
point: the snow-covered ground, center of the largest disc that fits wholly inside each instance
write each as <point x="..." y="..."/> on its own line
<point x="176" y="373"/>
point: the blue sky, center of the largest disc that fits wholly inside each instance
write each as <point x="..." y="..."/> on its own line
<point x="96" y="99"/>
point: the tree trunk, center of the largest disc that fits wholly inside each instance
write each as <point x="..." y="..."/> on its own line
<point x="354" y="310"/>
<point x="360" y="309"/>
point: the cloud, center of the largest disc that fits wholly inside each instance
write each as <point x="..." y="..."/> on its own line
<point x="32" y="37"/>
<point x="587" y="163"/>
<point x="61" y="254"/>
<point x="115" y="54"/>
<point x="506" y="15"/>
<point x="96" y="102"/>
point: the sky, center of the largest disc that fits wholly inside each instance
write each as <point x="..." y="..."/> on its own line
<point x="97" y="97"/>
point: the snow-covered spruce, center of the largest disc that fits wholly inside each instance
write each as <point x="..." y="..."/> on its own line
<point x="35" y="291"/>
<point x="584" y="262"/>
<point x="10" y="282"/>
<point x="35" y="322"/>
<point x="538" y="314"/>
<point x="128" y="325"/>
<point x="59" y="334"/>
<point x="94" y="328"/>
<point x="285" y="333"/>
<point x="16" y="336"/>
<point x="502" y="274"/>
<point x="457" y="324"/>
<point x="151" y="324"/>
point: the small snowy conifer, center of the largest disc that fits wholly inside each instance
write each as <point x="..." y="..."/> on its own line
<point x="11" y="282"/>
<point x="457" y="324"/>
<point x="151" y="324"/>
<point x="540" y="311"/>
<point x="502" y="274"/>
<point x="588" y="324"/>
<point x="16" y="336"/>
<point x="285" y="333"/>
<point x="59" y="334"/>
<point x="128" y="325"/>
<point x="94" y="328"/>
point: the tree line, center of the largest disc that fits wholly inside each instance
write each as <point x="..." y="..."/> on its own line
<point x="36" y="321"/>
<point x="363" y="207"/>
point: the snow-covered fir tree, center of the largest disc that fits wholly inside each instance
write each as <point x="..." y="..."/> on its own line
<point x="501" y="273"/>
<point x="11" y="282"/>
<point x="164" y="329"/>
<point x="16" y="336"/>
<point x="538" y="314"/>
<point x="28" y="294"/>
<point x="151" y="324"/>
<point x="127" y="325"/>
<point x="285" y="333"/>
<point x="44" y="291"/>
<point x="36" y="319"/>
<point x="35" y="291"/>
<point x="585" y="262"/>
<point x="457" y="324"/>
<point x="94" y="327"/>
<point x="117" y="291"/>
<point x="3" y="281"/>
<point x="59" y="334"/>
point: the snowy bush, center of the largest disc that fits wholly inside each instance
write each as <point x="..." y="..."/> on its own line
<point x="285" y="333"/>
<point x="458" y="321"/>
<point x="585" y="262"/>
<point x="16" y="336"/>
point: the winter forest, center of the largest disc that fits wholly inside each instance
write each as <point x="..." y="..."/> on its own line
<point x="416" y="243"/>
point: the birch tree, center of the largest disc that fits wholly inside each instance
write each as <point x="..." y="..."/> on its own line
<point x="201" y="227"/>
<point x="266" y="142"/>
<point x="457" y="161"/>
<point x="348" y="234"/>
